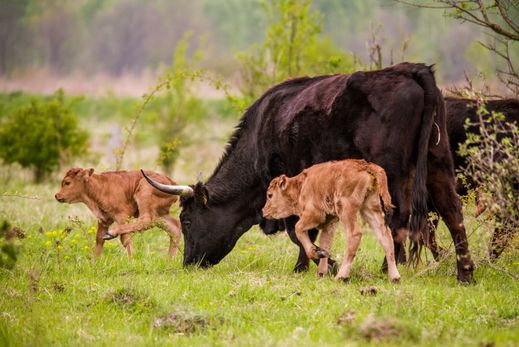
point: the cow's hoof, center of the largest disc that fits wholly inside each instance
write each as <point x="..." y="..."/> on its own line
<point x="321" y="274"/>
<point x="466" y="278"/>
<point x="343" y="279"/>
<point x="300" y="267"/>
<point x="395" y="280"/>
<point x="107" y="236"/>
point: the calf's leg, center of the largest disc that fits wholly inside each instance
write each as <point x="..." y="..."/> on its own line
<point x="101" y="231"/>
<point x="325" y="242"/>
<point x="302" y="226"/>
<point x="374" y="217"/>
<point x="302" y="262"/>
<point x="353" y="237"/>
<point x="172" y="227"/>
<point x="126" y="241"/>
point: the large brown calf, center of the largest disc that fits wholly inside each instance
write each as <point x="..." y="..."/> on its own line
<point x="335" y="190"/>
<point x="123" y="197"/>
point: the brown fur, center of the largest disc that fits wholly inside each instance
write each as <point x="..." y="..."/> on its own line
<point x="329" y="191"/>
<point x="123" y="197"/>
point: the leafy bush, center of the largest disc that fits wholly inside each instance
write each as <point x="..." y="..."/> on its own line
<point x="493" y="167"/>
<point x="42" y="135"/>
<point x="8" y="251"/>
<point x="182" y="106"/>
<point x="293" y="46"/>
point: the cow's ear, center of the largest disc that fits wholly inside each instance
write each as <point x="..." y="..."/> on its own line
<point x="282" y="182"/>
<point x="201" y="194"/>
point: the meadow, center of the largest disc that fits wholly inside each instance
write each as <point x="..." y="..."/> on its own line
<point x="56" y="294"/>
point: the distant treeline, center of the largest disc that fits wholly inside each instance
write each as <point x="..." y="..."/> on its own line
<point x="130" y="36"/>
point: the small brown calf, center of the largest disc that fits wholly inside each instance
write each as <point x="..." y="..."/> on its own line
<point x="326" y="192"/>
<point x="118" y="197"/>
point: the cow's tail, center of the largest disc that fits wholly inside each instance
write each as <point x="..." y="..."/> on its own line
<point x="433" y="102"/>
<point x="382" y="191"/>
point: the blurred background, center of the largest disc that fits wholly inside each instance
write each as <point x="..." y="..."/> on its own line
<point x="161" y="83"/>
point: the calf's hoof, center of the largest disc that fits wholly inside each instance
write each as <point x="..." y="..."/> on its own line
<point x="333" y="267"/>
<point x="321" y="253"/>
<point x="395" y="280"/>
<point x="343" y="279"/>
<point x="107" y="236"/>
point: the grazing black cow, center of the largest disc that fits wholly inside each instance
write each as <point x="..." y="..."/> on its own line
<point x="386" y="117"/>
<point x="459" y="110"/>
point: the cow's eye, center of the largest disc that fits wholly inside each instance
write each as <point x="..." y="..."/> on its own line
<point x="187" y="224"/>
<point x="269" y="196"/>
<point x="67" y="183"/>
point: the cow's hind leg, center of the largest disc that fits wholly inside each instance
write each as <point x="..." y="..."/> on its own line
<point x="441" y="188"/>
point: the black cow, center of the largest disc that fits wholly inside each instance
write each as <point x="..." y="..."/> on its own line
<point x="459" y="110"/>
<point x="386" y="117"/>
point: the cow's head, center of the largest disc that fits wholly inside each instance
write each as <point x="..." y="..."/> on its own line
<point x="210" y="229"/>
<point x="73" y="185"/>
<point x="281" y="197"/>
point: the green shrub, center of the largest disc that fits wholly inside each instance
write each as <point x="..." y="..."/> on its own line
<point x="181" y="104"/>
<point x="493" y="166"/>
<point x="42" y="135"/>
<point x="293" y="45"/>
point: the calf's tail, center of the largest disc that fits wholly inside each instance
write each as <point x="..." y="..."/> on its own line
<point x="383" y="191"/>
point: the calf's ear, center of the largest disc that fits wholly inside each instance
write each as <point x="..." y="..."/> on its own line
<point x="282" y="182"/>
<point x="85" y="174"/>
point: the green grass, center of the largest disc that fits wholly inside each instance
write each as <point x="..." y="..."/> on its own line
<point x="251" y="298"/>
<point x="62" y="297"/>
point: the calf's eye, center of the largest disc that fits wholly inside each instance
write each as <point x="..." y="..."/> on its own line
<point x="269" y="195"/>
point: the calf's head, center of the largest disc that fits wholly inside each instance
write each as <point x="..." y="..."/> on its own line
<point x="73" y="185"/>
<point x="282" y="195"/>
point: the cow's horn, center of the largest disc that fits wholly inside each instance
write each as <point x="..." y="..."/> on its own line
<point x="185" y="191"/>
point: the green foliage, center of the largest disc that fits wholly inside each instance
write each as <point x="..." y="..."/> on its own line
<point x="294" y="45"/>
<point x="42" y="135"/>
<point x="8" y="250"/>
<point x="182" y="106"/>
<point x="493" y="166"/>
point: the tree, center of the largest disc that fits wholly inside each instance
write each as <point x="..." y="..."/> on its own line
<point x="499" y="18"/>
<point x="293" y="45"/>
<point x="42" y="135"/>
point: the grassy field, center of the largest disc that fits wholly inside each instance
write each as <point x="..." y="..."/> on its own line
<point x="57" y="295"/>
